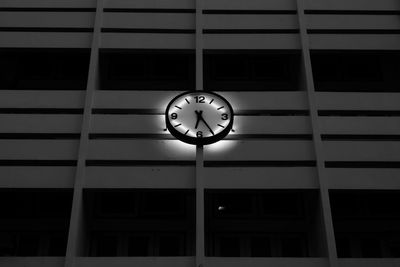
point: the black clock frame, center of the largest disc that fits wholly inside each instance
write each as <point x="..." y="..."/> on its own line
<point x="196" y="140"/>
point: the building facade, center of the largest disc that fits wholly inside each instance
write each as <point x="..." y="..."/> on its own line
<point x="309" y="175"/>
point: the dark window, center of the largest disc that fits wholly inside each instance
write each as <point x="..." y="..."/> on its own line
<point x="57" y="245"/>
<point x="361" y="68"/>
<point x="246" y="71"/>
<point x="232" y="205"/>
<point x="45" y="206"/>
<point x="106" y="245"/>
<point x="58" y="69"/>
<point x="394" y="248"/>
<point x="259" y="223"/>
<point x="370" y="248"/>
<point x="28" y="245"/>
<point x="365" y="204"/>
<point x="346" y="68"/>
<point x="273" y="68"/>
<point x="22" y="204"/>
<point x="139" y="246"/>
<point x="282" y="205"/>
<point x="366" y="223"/>
<point x="32" y="203"/>
<point x="163" y="223"/>
<point x="260" y="247"/>
<point x="229" y="246"/>
<point x="228" y="67"/>
<point x="162" y="204"/>
<point x="171" y="245"/>
<point x="293" y="247"/>
<point x="34" y="222"/>
<point x="115" y="204"/>
<point x="346" y="205"/>
<point x="383" y="205"/>
<point x="8" y="244"/>
<point x="343" y="247"/>
<point x="38" y="243"/>
<point x="147" y="70"/>
<point x="356" y="71"/>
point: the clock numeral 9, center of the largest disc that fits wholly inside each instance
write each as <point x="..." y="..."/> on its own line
<point x="200" y="99"/>
<point x="174" y="116"/>
<point x="224" y="116"/>
<point x="199" y="134"/>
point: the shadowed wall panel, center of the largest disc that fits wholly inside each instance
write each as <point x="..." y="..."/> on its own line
<point x="140" y="150"/>
<point x="155" y="4"/>
<point x="353" y="5"/>
<point x="41" y="99"/>
<point x="37" y="176"/>
<point x="263" y="150"/>
<point x="45" y="40"/>
<point x="250" y="5"/>
<point x="47" y="20"/>
<point x="362" y="151"/>
<point x="40" y="123"/>
<point x="39" y="149"/>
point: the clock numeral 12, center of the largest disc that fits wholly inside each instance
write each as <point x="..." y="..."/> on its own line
<point x="200" y="99"/>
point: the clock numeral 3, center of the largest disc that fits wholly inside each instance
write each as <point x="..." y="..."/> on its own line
<point x="174" y="116"/>
<point x="224" y="116"/>
<point x="200" y="99"/>
<point x="199" y="134"/>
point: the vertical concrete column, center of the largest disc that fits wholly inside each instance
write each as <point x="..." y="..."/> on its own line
<point x="76" y="236"/>
<point x="318" y="146"/>
<point x="200" y="244"/>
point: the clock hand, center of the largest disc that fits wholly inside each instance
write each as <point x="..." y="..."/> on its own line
<point x="209" y="128"/>
<point x="200" y="117"/>
<point x="198" y="113"/>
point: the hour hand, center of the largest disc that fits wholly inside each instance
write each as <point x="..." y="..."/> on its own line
<point x="199" y="117"/>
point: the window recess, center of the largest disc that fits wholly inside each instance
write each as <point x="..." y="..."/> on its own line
<point x="44" y="69"/>
<point x="366" y="223"/>
<point x="261" y="223"/>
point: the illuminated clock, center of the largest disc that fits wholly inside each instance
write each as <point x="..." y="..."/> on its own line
<point x="199" y="118"/>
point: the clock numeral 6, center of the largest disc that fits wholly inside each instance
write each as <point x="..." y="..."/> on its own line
<point x="174" y="116"/>
<point x="199" y="134"/>
<point x="200" y="99"/>
<point x="224" y="116"/>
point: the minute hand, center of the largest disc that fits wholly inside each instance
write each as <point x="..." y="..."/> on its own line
<point x="209" y="128"/>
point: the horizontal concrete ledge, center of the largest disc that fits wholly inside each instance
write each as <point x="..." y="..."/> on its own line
<point x="140" y="177"/>
<point x="209" y="262"/>
<point x="260" y="177"/>
<point x="45" y="40"/>
<point x="214" y="177"/>
<point x="32" y="261"/>
<point x="369" y="262"/>
<point x="359" y="178"/>
<point x="262" y="262"/>
<point x="59" y="99"/>
<point x="135" y="261"/>
<point x="37" y="177"/>
<point x="190" y="261"/>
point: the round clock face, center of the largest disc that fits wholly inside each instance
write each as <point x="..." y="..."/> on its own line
<point x="199" y="118"/>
